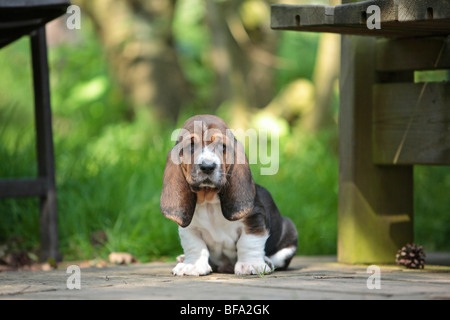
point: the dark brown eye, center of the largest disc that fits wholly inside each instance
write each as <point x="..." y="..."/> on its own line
<point x="192" y="146"/>
<point x="224" y="147"/>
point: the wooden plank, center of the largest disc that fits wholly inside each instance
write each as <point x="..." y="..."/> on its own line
<point x="356" y="13"/>
<point x="297" y="16"/>
<point x="412" y="124"/>
<point x="399" y="18"/>
<point x="311" y="277"/>
<point x="375" y="212"/>
<point x="11" y="188"/>
<point x="413" y="54"/>
<point x="423" y="10"/>
<point x="20" y="17"/>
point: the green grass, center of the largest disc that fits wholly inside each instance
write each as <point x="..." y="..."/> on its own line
<point x="109" y="169"/>
<point x="305" y="189"/>
<point x="113" y="183"/>
<point x="432" y="207"/>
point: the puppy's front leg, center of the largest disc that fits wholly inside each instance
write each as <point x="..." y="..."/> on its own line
<point x="196" y="255"/>
<point x="251" y="255"/>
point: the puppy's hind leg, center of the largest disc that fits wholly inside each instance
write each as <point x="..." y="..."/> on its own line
<point x="288" y="243"/>
<point x="282" y="258"/>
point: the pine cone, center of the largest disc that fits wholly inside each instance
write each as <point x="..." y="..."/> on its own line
<point x="411" y="256"/>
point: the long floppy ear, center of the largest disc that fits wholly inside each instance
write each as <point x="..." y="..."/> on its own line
<point x="238" y="196"/>
<point x="177" y="200"/>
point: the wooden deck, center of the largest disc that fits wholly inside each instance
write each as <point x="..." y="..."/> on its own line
<point x="308" y="278"/>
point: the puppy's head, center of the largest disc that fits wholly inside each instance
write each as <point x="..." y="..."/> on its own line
<point x="206" y="160"/>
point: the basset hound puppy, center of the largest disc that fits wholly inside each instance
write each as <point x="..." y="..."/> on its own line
<point x="227" y="223"/>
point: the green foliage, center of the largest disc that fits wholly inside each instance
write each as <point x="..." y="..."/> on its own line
<point x="294" y="45"/>
<point x="305" y="189"/>
<point x="432" y="207"/>
<point x="109" y="169"/>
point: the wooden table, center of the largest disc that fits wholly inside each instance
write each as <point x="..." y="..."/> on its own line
<point x="387" y="123"/>
<point x="19" y="18"/>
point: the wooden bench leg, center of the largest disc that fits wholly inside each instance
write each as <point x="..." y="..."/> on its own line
<point x="46" y="165"/>
<point x="375" y="202"/>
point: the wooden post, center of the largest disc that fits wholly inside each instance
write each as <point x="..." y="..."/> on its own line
<point x="375" y="202"/>
<point x="46" y="166"/>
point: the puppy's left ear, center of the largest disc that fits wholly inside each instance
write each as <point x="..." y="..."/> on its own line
<point x="177" y="199"/>
<point x="237" y="198"/>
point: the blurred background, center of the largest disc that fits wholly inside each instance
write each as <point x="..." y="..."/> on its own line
<point x="134" y="72"/>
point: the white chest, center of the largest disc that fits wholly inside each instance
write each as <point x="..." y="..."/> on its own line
<point x="219" y="234"/>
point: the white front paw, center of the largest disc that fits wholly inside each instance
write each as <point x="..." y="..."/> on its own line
<point x="192" y="269"/>
<point x="261" y="267"/>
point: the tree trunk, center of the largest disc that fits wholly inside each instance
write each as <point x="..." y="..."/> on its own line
<point x="326" y="72"/>
<point x="242" y="55"/>
<point x="137" y="39"/>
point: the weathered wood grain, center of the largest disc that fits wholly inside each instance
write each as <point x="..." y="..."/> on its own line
<point x="411" y="124"/>
<point x="395" y="123"/>
<point x="399" y="18"/>
<point x="413" y="54"/>
<point x="307" y="278"/>
<point x="298" y="16"/>
<point x="375" y="212"/>
<point x="356" y="13"/>
<point x="423" y="10"/>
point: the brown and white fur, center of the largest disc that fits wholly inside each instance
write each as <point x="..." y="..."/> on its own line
<point x="227" y="223"/>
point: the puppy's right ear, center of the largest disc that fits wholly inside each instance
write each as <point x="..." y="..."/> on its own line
<point x="177" y="199"/>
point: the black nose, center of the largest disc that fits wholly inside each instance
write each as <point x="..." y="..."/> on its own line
<point x="207" y="167"/>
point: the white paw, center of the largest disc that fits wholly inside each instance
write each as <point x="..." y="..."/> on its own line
<point x="261" y="267"/>
<point x="192" y="269"/>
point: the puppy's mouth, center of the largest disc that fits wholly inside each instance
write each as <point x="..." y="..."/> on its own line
<point x="205" y="192"/>
<point x="206" y="186"/>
